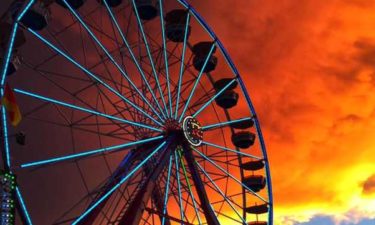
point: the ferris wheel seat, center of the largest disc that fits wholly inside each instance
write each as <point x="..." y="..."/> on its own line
<point x="176" y="16"/>
<point x="146" y="9"/>
<point x="75" y="4"/>
<point x="35" y="18"/>
<point x="176" y="32"/>
<point x="257" y="223"/>
<point x="227" y="99"/>
<point x="21" y="138"/>
<point x="257" y="209"/>
<point x="5" y="32"/>
<point x="199" y="61"/>
<point x="111" y="3"/>
<point x="253" y="165"/>
<point x="255" y="182"/>
<point x="220" y="84"/>
<point x="243" y="139"/>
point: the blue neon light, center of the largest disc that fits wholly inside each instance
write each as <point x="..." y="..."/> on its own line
<point x="117" y="185"/>
<point x="84" y="109"/>
<point x="182" y="65"/>
<point x="87" y="153"/>
<point x="6" y="143"/>
<point x="230" y="175"/>
<point x="133" y="57"/>
<point x="25" y="10"/>
<point x="167" y="189"/>
<point x="213" y="98"/>
<point x="92" y="75"/>
<point x="230" y="150"/>
<point x="179" y="186"/>
<point x="110" y="57"/>
<point x="23" y="205"/>
<point x="221" y="192"/>
<point x="9" y="53"/>
<point x="225" y="123"/>
<point x="149" y="56"/>
<point x="197" y="81"/>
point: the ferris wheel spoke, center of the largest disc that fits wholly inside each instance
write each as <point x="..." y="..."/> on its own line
<point x="113" y="18"/>
<point x="149" y="55"/>
<point x="197" y="81"/>
<point x="230" y="175"/>
<point x="89" y="153"/>
<point x="214" y="97"/>
<point x="179" y="187"/>
<point x="165" y="54"/>
<point x="115" y="187"/>
<point x="93" y="36"/>
<point x="24" y="212"/>
<point x="84" y="109"/>
<point x="190" y="189"/>
<point x="182" y="64"/>
<point x="167" y="190"/>
<point x="221" y="192"/>
<point x="230" y="150"/>
<point x="96" y="78"/>
<point x="223" y="124"/>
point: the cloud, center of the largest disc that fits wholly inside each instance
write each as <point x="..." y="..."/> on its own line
<point x="369" y="185"/>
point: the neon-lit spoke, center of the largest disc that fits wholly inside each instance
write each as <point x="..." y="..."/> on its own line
<point x="100" y="200"/>
<point x="89" y="153"/>
<point x="182" y="65"/>
<point x="149" y="55"/>
<point x="213" y="98"/>
<point x="221" y="192"/>
<point x="179" y="187"/>
<point x="23" y="205"/>
<point x="218" y="125"/>
<point x="111" y="58"/>
<point x="167" y="190"/>
<point x="197" y="81"/>
<point x="189" y="187"/>
<point x="9" y="53"/>
<point x="25" y="10"/>
<point x="230" y="150"/>
<point x="94" y="76"/>
<point x="165" y="54"/>
<point x="85" y="109"/>
<point x="6" y="141"/>
<point x="133" y="56"/>
<point x="228" y="174"/>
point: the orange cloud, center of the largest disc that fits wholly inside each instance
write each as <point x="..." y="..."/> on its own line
<point x="310" y="67"/>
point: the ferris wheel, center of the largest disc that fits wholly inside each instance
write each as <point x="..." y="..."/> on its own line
<point x="129" y="112"/>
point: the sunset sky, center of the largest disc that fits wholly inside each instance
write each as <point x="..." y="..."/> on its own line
<point x="309" y="66"/>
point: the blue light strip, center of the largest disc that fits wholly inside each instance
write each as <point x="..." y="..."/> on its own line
<point x="196" y="82"/>
<point x="182" y="65"/>
<point x="218" y="125"/>
<point x="213" y="98"/>
<point x="190" y="191"/>
<point x="149" y="55"/>
<point x="165" y="55"/>
<point x="24" y="10"/>
<point x="132" y="55"/>
<point x="9" y="53"/>
<point x="179" y="186"/>
<point x="117" y="185"/>
<point x="230" y="150"/>
<point x="84" y="109"/>
<point x="167" y="190"/>
<point x="92" y="75"/>
<point x="6" y="141"/>
<point x="87" y="153"/>
<point x="230" y="175"/>
<point x="111" y="58"/>
<point x="221" y="193"/>
<point x="23" y="205"/>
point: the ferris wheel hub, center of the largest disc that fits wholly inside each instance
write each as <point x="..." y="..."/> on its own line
<point x="192" y="131"/>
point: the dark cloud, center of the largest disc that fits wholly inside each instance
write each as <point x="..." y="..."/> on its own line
<point x="369" y="185"/>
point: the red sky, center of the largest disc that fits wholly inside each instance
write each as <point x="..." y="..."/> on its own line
<point x="309" y="66"/>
